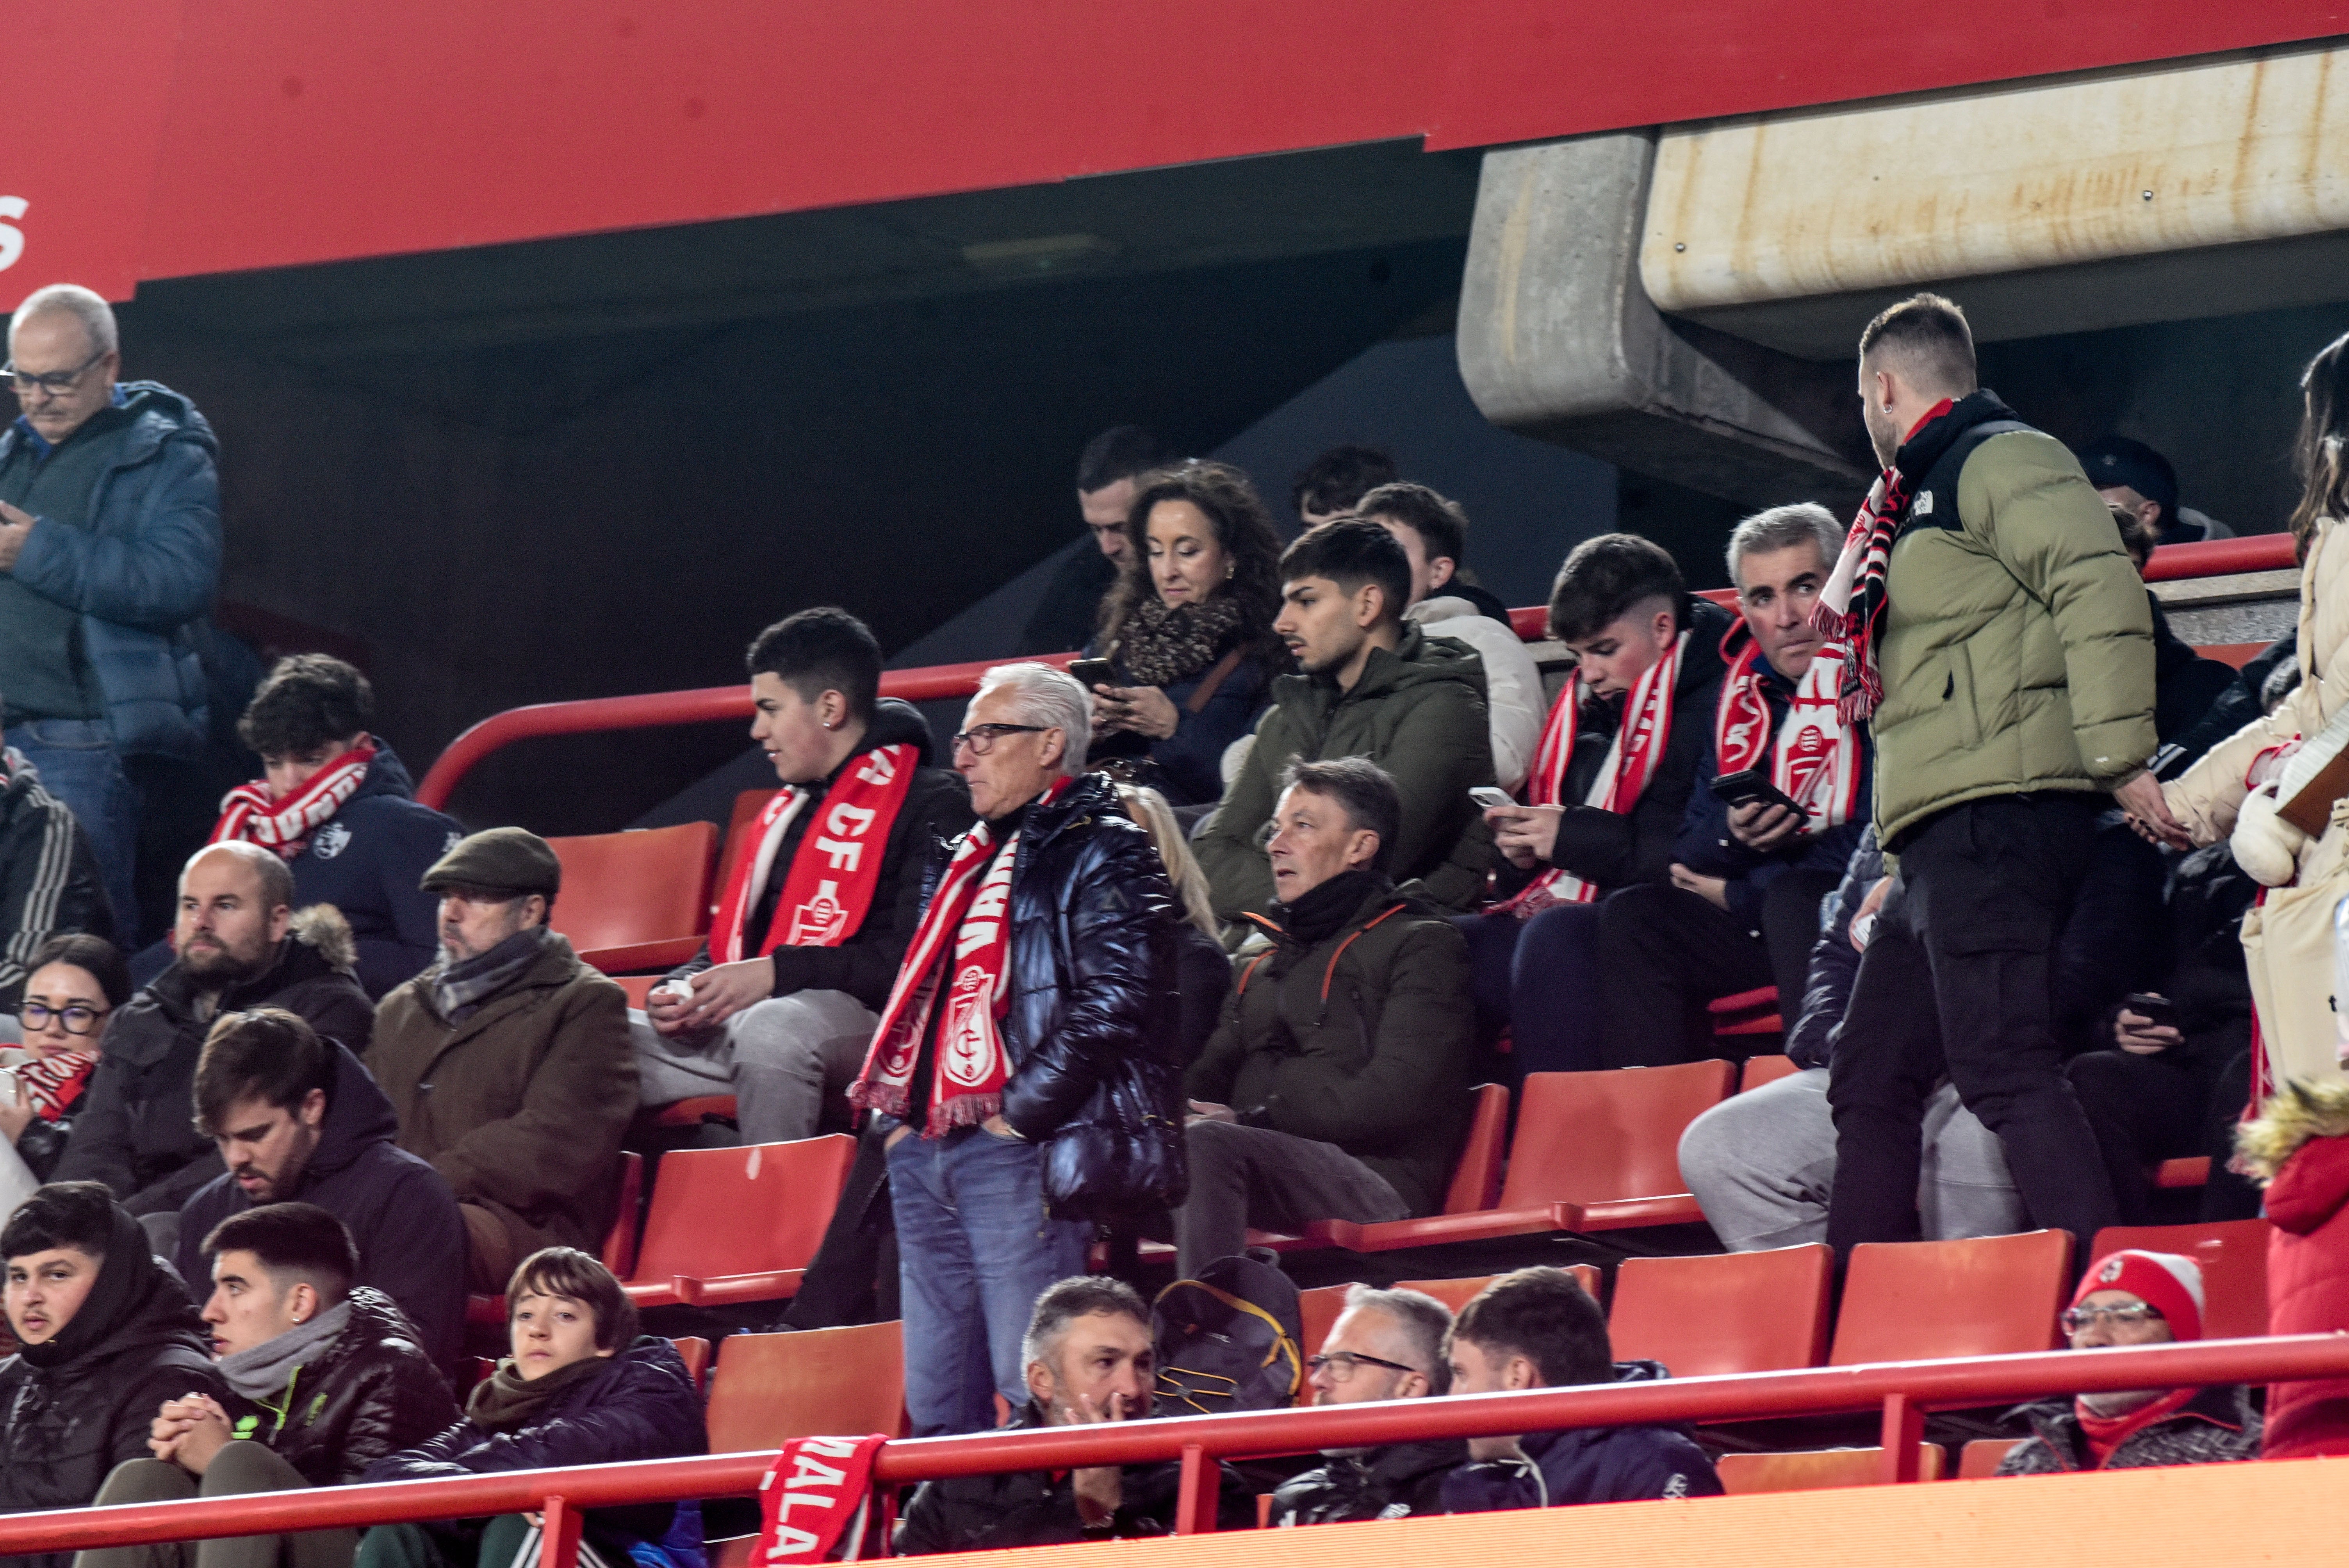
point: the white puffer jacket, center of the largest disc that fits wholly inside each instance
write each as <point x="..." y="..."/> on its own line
<point x="1513" y="682"/>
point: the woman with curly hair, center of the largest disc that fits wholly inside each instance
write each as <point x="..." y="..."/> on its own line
<point x="1188" y="630"/>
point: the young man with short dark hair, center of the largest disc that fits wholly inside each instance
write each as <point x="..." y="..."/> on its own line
<point x="1609" y="790"/>
<point x="296" y="1117"/>
<point x="323" y="1378"/>
<point x="780" y="1004"/>
<point x="1538" y="1328"/>
<point x="1334" y="1088"/>
<point x="1374" y="686"/>
<point x="1109" y="471"/>
<point x="1330" y="486"/>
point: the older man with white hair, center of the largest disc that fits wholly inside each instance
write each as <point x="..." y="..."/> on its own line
<point x="1026" y="1052"/>
<point x="109" y="547"/>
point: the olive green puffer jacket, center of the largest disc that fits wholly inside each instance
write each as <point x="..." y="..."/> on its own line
<point x="2017" y="652"/>
<point x="1419" y="713"/>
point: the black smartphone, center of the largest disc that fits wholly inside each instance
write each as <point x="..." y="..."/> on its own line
<point x="1750" y="789"/>
<point x="2158" y="1011"/>
<point x="1093" y="673"/>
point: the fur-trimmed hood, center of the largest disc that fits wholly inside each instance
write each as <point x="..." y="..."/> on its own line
<point x="2302" y="1112"/>
<point x="322" y="928"/>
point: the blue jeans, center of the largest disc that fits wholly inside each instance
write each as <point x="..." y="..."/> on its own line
<point x="1540" y="977"/>
<point x="76" y="759"/>
<point x="974" y="1252"/>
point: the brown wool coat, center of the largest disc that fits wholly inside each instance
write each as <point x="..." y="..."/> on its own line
<point x="521" y="1107"/>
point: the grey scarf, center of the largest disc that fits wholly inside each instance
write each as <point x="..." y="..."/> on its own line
<point x="265" y="1372"/>
<point x="459" y="989"/>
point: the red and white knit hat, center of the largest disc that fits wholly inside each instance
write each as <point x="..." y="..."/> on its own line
<point x="2170" y="1284"/>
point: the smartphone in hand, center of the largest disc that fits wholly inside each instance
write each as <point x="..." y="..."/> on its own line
<point x="1487" y="798"/>
<point x="1093" y="674"/>
<point x="1751" y="788"/>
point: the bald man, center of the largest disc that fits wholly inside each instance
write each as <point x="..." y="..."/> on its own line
<point x="240" y="944"/>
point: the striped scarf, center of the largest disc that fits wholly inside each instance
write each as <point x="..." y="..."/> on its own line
<point x="249" y="812"/>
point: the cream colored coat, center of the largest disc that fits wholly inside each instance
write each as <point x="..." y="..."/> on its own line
<point x="2287" y="940"/>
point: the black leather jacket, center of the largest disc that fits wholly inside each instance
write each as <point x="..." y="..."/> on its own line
<point x="1096" y="1053"/>
<point x="373" y="1393"/>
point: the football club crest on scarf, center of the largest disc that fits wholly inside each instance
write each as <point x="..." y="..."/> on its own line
<point x="828" y="891"/>
<point x="250" y="812"/>
<point x="1816" y="762"/>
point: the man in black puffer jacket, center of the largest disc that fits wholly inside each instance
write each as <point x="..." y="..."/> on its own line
<point x="1386" y="1345"/>
<point x="240" y="944"/>
<point x="1039" y="1093"/>
<point x="78" y="1398"/>
<point x="323" y="1380"/>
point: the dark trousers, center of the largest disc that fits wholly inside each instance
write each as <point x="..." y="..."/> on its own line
<point x="1958" y="982"/>
<point x="2227" y="1195"/>
<point x="2143" y="1110"/>
<point x="1540" y="977"/>
<point x="1664" y="953"/>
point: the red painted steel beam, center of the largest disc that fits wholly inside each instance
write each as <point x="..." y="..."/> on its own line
<point x="1916" y="1384"/>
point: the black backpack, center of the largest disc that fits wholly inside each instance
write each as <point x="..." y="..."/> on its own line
<point x="1228" y="1340"/>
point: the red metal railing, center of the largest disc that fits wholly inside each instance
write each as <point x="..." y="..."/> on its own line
<point x="2217" y="558"/>
<point x="1903" y="1391"/>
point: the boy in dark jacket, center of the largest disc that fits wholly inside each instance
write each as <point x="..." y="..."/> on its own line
<point x="1386" y="1345"/>
<point x="1334" y="1088"/>
<point x="581" y="1388"/>
<point x="296" y="1117"/>
<point x="240" y="944"/>
<point x="323" y="1379"/>
<point x="1610" y="791"/>
<point x="1536" y="1328"/>
<point x="107" y="1336"/>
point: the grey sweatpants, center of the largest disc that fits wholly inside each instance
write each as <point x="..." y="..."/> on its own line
<point x="239" y="1467"/>
<point x="1763" y="1163"/>
<point x="777" y="1058"/>
<point x="1244" y="1176"/>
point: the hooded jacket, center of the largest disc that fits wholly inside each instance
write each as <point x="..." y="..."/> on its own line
<point x="398" y="1211"/>
<point x="1361" y="1039"/>
<point x="1587" y="1464"/>
<point x="1514" y="703"/>
<point x="1038" y="1507"/>
<point x="49" y="883"/>
<point x="145" y="566"/>
<point x="2298" y="1148"/>
<point x="1418" y="711"/>
<point x="372" y="1393"/>
<point x="1402" y="1481"/>
<point x="643" y="1406"/>
<point x="136" y="1131"/>
<point x="936" y="807"/>
<point x="520" y="1107"/>
<point x="2218" y="1425"/>
<point x="64" y="1426"/>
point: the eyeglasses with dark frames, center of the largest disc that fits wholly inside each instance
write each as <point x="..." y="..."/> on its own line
<point x="74" y="1019"/>
<point x="55" y="383"/>
<point x="1342" y="1363"/>
<point x="981" y="738"/>
<point x="2077" y="1318"/>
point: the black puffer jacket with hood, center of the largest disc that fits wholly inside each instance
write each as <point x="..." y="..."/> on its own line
<point x="135" y="1132"/>
<point x="373" y="1393"/>
<point x="74" y="1407"/>
<point x="399" y="1212"/>
<point x="1402" y="1481"/>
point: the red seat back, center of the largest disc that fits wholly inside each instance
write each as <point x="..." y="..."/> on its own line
<point x="718" y="1211"/>
<point x="1588" y="1136"/>
<point x="2234" y="1259"/>
<point x="623" y="888"/>
<point x="817" y="1382"/>
<point x="620" y="1241"/>
<point x="1477" y="1179"/>
<point x="1819" y="1468"/>
<point x="740" y="840"/>
<point x="1760" y="1070"/>
<point x="1733" y="1311"/>
<point x="1981" y="1457"/>
<point x="1922" y="1301"/>
<point x="1456" y="1294"/>
<point x="695" y="1353"/>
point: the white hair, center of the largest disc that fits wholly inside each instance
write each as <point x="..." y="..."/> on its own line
<point x="90" y="309"/>
<point x="1052" y="698"/>
<point x="1783" y="528"/>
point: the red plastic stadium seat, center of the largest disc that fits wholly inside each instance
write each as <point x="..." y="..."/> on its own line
<point x="619" y="1242"/>
<point x="637" y="988"/>
<point x="1477" y="1179"/>
<point x="1752" y="1012"/>
<point x="818" y="1382"/>
<point x="2234" y="1258"/>
<point x="1734" y="1311"/>
<point x="1922" y="1301"/>
<point x="2172" y="1174"/>
<point x="1594" y="1151"/>
<point x="695" y="1353"/>
<point x="1456" y="1294"/>
<point x="1980" y="1458"/>
<point x="739" y="841"/>
<point x="738" y="1224"/>
<point x="1760" y="1070"/>
<point x="635" y="900"/>
<point x="1818" y="1468"/>
<point x="1317" y="1312"/>
<point x="2235" y="654"/>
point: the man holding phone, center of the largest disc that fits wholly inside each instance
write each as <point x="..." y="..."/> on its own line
<point x="1779" y="803"/>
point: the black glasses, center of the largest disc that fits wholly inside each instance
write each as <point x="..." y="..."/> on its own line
<point x="1342" y="1364"/>
<point x="74" y="1019"/>
<point x="981" y="740"/>
<point x="2077" y="1318"/>
<point x="55" y="383"/>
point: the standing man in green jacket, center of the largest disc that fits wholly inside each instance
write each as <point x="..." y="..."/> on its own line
<point x="1334" y="1088"/>
<point x="2002" y="649"/>
<point x="1374" y="686"/>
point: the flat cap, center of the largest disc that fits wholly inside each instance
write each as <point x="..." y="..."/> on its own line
<point x="510" y="859"/>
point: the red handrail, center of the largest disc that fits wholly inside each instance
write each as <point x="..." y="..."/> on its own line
<point x="1903" y="1390"/>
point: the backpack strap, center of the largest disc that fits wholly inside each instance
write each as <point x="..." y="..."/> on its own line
<point x="1196" y="703"/>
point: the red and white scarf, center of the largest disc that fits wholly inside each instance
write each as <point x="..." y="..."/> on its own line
<point x="1816" y="760"/>
<point x="250" y="812"/>
<point x="51" y="1084"/>
<point x="970" y="910"/>
<point x="828" y="889"/>
<point x="1630" y="762"/>
<point x="816" y="1502"/>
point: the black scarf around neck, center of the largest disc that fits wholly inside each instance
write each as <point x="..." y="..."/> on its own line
<point x="1320" y="913"/>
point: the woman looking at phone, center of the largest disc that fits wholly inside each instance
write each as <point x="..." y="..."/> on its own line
<point x="1186" y="633"/>
<point x="77" y="982"/>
